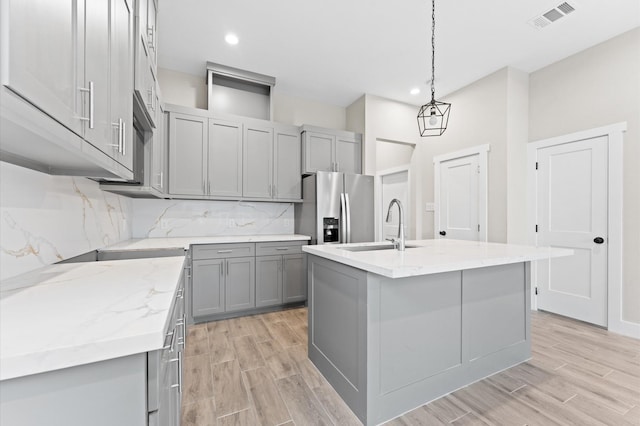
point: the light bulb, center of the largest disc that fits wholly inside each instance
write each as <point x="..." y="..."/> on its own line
<point x="434" y="119"/>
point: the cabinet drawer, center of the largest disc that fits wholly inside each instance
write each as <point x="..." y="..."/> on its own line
<point x="219" y="251"/>
<point x="283" y="247"/>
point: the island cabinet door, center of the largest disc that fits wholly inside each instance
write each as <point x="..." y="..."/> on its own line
<point x="268" y="280"/>
<point x="294" y="278"/>
<point x="208" y="287"/>
<point x="240" y="283"/>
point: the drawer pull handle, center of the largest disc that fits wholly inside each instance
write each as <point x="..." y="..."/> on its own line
<point x="225" y="251"/>
<point x="282" y="248"/>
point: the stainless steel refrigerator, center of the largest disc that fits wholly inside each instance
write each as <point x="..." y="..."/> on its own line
<point x="336" y="208"/>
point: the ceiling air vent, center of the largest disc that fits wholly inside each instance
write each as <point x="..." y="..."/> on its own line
<point x="551" y="16"/>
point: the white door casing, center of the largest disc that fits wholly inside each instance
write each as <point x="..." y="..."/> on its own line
<point x="460" y="194"/>
<point x="572" y="213"/>
<point x="394" y="183"/>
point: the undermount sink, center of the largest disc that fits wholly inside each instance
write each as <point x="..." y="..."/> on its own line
<point x="374" y="248"/>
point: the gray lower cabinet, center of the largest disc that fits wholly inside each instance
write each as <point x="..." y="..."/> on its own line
<point x="240" y="283"/>
<point x="294" y="278"/>
<point x="281" y="273"/>
<point x="223" y="279"/>
<point x="237" y="277"/>
<point x="208" y="293"/>
<point x="268" y="280"/>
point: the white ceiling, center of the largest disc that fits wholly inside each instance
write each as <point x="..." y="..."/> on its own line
<point x="333" y="51"/>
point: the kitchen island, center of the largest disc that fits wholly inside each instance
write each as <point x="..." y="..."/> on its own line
<point x="392" y="330"/>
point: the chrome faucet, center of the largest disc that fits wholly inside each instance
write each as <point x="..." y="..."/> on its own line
<point x="398" y="243"/>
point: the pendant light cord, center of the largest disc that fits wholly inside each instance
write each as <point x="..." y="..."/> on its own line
<point x="433" y="50"/>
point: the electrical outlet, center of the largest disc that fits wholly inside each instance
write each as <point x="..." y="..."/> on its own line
<point x="430" y="207"/>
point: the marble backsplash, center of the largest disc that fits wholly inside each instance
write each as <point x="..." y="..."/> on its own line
<point x="187" y="218"/>
<point x="45" y="219"/>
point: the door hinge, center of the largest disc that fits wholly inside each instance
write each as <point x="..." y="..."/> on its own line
<point x="478" y="168"/>
<point x="536" y="291"/>
<point x="478" y="227"/>
<point x="536" y="228"/>
<point x="536" y="165"/>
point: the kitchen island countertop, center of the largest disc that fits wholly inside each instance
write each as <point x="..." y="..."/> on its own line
<point x="432" y="256"/>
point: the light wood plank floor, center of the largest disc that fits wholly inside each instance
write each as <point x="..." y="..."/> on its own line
<point x="254" y="371"/>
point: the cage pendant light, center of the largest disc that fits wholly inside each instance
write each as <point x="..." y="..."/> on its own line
<point x="433" y="117"/>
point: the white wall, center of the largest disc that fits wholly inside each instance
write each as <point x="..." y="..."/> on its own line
<point x="191" y="91"/>
<point x="296" y="111"/>
<point x="47" y="218"/>
<point x="517" y="138"/>
<point x="388" y="124"/>
<point x="478" y="116"/>
<point x="183" y="89"/>
<point x="593" y="88"/>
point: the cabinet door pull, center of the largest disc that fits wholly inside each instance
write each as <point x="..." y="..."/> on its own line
<point x="179" y="361"/>
<point x="91" y="105"/>
<point x="124" y="137"/>
<point x="227" y="262"/>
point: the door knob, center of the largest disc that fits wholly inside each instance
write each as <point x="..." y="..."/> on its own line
<point x="598" y="240"/>
<point x="443" y="233"/>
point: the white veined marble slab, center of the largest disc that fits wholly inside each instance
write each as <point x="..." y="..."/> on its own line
<point x="433" y="256"/>
<point x="72" y="314"/>
<point x="185" y="242"/>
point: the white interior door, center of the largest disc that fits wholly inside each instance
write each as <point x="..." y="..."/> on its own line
<point x="572" y="213"/>
<point x="458" y="202"/>
<point x="394" y="185"/>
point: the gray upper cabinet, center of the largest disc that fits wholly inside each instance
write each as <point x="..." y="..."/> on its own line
<point x="45" y="56"/>
<point x="159" y="153"/>
<point x="187" y="154"/>
<point x="258" y="162"/>
<point x="286" y="169"/>
<point x="146" y="85"/>
<point x="73" y="62"/>
<point x="331" y="150"/>
<point x="121" y="83"/>
<point x="152" y="27"/>
<point x="319" y="152"/>
<point x="225" y="158"/>
<point x="243" y="158"/>
<point x="348" y="155"/>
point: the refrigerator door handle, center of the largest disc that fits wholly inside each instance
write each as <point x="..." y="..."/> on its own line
<point x="348" y="216"/>
<point x="343" y="218"/>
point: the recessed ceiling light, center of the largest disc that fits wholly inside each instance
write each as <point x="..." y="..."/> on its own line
<point x="415" y="91"/>
<point x="231" y="38"/>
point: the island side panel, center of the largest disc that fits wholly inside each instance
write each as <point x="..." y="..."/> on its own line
<point x="497" y="317"/>
<point x="434" y="337"/>
<point x="337" y="328"/>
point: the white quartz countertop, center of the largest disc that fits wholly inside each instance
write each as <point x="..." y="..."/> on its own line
<point x="185" y="242"/>
<point x="432" y="256"/>
<point x="72" y="314"/>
